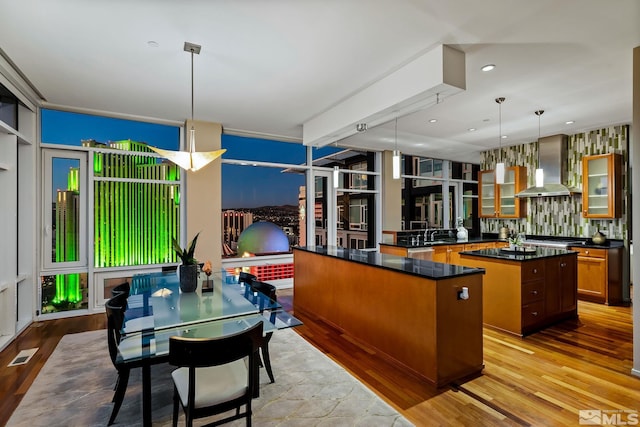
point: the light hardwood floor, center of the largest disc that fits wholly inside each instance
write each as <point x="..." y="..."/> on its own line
<point x="541" y="380"/>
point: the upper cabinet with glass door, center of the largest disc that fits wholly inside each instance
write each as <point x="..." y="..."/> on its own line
<point x="499" y="200"/>
<point x="602" y="186"/>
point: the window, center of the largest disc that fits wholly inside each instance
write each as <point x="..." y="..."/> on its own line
<point x="101" y="178"/>
<point x="358" y="181"/>
<point x="358" y="214"/>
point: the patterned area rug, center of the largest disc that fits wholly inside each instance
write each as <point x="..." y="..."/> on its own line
<point x="75" y="388"/>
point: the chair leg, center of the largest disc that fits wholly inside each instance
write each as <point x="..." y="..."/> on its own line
<point x="176" y="407"/>
<point x="118" y="397"/>
<point x="265" y="356"/>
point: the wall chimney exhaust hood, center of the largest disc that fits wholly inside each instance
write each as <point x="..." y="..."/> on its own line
<point x="553" y="160"/>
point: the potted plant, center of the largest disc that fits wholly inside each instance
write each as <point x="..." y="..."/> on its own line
<point x="188" y="270"/>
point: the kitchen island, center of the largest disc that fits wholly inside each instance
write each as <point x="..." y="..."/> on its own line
<point x="524" y="292"/>
<point x="413" y="312"/>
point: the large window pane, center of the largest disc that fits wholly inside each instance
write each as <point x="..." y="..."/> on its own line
<point x="135" y="220"/>
<point x="263" y="150"/>
<point x="252" y="194"/>
<point x="63" y="127"/>
<point x="64" y="292"/>
<point x="66" y="217"/>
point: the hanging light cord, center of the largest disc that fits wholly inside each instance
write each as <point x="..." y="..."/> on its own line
<point x="500" y="101"/>
<point x="396" y="133"/>
<point x="192" y="137"/>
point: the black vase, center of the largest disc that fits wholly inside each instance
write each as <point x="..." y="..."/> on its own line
<point x="188" y="278"/>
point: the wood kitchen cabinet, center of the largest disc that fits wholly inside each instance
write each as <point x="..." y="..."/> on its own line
<point x="447" y="254"/>
<point x="522" y="297"/>
<point x="600" y="274"/>
<point x="602" y="186"/>
<point x="499" y="200"/>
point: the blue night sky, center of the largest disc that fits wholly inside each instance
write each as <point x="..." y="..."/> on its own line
<point x="242" y="186"/>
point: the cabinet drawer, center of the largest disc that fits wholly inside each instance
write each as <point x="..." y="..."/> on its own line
<point x="590" y="252"/>
<point x="532" y="270"/>
<point x="532" y="313"/>
<point x="532" y="291"/>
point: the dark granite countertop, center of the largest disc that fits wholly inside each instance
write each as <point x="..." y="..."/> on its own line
<point x="507" y="255"/>
<point x="422" y="244"/>
<point x="492" y="237"/>
<point x="427" y="269"/>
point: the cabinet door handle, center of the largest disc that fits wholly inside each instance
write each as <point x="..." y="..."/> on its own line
<point x="534" y="292"/>
<point x="534" y="313"/>
<point x="586" y="252"/>
<point x="535" y="271"/>
<point x="563" y="264"/>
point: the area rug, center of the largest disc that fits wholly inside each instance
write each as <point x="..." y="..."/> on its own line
<point x="75" y="387"/>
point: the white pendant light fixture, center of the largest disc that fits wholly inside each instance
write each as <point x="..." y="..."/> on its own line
<point x="396" y="155"/>
<point x="336" y="170"/>
<point x="500" y="165"/>
<point x="190" y="160"/>
<point x="539" y="171"/>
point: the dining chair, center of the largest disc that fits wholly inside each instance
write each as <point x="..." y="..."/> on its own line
<point x="115" y="308"/>
<point x="246" y="279"/>
<point x="123" y="288"/>
<point x="265" y="297"/>
<point x="212" y="375"/>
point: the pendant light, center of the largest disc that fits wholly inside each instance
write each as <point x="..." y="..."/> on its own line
<point x="539" y="171"/>
<point x="396" y="155"/>
<point x="336" y="170"/>
<point x="190" y="160"/>
<point x="500" y="164"/>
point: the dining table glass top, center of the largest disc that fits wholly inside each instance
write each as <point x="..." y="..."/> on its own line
<point x="157" y="309"/>
<point x="156" y="302"/>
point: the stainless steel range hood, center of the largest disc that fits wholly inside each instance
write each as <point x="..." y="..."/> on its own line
<point x="553" y="160"/>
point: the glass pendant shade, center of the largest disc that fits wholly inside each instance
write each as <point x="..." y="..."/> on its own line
<point x="336" y="176"/>
<point x="539" y="178"/>
<point x="499" y="173"/>
<point x="396" y="164"/>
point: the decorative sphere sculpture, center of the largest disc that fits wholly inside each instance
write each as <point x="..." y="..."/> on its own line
<point x="261" y="238"/>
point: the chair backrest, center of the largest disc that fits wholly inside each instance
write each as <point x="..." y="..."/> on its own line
<point x="266" y="294"/>
<point x="115" y="308"/>
<point x="122" y="288"/>
<point x="246" y="278"/>
<point x="203" y="352"/>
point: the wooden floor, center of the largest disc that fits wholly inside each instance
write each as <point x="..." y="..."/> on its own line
<point x="543" y="379"/>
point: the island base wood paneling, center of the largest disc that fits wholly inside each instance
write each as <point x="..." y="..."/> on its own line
<point x="522" y="297"/>
<point x="415" y="321"/>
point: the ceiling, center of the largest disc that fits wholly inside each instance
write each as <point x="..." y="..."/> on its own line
<point x="268" y="67"/>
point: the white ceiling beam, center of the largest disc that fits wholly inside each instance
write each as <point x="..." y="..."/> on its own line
<point x="437" y="74"/>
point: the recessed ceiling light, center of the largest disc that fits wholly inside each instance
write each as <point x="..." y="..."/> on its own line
<point x="153" y="43"/>
<point x="433" y="120"/>
<point x="471" y="129"/>
<point x="504" y="137"/>
<point x="488" y="67"/>
<point x="569" y="122"/>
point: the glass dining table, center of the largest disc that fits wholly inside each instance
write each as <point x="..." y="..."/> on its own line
<point x="157" y="309"/>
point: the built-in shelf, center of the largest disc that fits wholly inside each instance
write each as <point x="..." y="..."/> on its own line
<point x="5" y="128"/>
